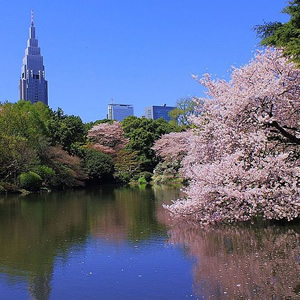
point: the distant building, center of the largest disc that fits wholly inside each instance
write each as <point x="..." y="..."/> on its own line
<point x="156" y="112"/>
<point x="33" y="85"/>
<point x="119" y="112"/>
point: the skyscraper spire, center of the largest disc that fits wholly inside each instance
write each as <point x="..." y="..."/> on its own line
<point x="33" y="85"/>
<point x="32" y="24"/>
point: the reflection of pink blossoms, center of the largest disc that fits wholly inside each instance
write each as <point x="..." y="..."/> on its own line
<point x="108" y="138"/>
<point x="240" y="262"/>
<point x="244" y="159"/>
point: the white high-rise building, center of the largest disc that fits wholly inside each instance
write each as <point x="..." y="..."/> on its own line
<point x="33" y="85"/>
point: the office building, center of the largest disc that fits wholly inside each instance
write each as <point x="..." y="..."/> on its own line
<point x="156" y="112"/>
<point x="118" y="112"/>
<point x="33" y="85"/>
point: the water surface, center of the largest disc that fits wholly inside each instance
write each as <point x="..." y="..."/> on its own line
<point x="116" y="243"/>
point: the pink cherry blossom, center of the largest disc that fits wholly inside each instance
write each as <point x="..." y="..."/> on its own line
<point x="107" y="137"/>
<point x="173" y="145"/>
<point x="242" y="160"/>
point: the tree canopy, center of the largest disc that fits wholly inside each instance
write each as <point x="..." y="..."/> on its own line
<point x="68" y="131"/>
<point x="142" y="134"/>
<point x="283" y="35"/>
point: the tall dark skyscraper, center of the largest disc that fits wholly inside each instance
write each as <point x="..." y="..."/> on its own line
<point x="33" y="85"/>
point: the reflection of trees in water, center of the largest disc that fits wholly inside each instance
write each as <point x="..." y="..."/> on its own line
<point x="244" y="263"/>
<point x="129" y="216"/>
<point x="36" y="229"/>
<point x="39" y="286"/>
<point x="164" y="194"/>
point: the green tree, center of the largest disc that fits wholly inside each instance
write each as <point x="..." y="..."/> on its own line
<point x="23" y="129"/>
<point x="25" y="119"/>
<point x="99" y="166"/>
<point x="127" y="165"/>
<point x="68" y="131"/>
<point x="283" y="35"/>
<point x="185" y="108"/>
<point x="16" y="156"/>
<point x="143" y="133"/>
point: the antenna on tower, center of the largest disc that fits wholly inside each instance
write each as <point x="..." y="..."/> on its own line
<point x="32" y="24"/>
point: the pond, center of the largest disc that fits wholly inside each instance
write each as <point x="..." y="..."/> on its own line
<point x="116" y="243"/>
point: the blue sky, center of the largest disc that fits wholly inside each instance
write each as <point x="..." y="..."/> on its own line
<point x="140" y="52"/>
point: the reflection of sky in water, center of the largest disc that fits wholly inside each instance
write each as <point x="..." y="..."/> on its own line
<point x="104" y="270"/>
<point x="112" y="243"/>
<point x="147" y="270"/>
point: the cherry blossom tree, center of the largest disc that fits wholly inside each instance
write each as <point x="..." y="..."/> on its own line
<point x="243" y="160"/>
<point x="173" y="145"/>
<point x="107" y="137"/>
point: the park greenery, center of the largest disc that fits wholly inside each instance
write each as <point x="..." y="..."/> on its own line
<point x="42" y="149"/>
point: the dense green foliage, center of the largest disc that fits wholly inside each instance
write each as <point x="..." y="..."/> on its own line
<point x="23" y="131"/>
<point x="45" y="172"/>
<point x="30" y="181"/>
<point x="99" y="166"/>
<point x="68" y="131"/>
<point x="143" y="133"/>
<point x="127" y="165"/>
<point x="284" y="35"/>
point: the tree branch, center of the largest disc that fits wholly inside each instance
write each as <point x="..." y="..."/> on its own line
<point x="293" y="139"/>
